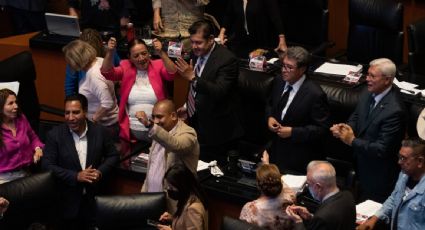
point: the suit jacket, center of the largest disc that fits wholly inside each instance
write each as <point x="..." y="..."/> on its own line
<point x="308" y="115"/>
<point x="263" y="20"/>
<point x="216" y="98"/>
<point x="338" y="212"/>
<point x="377" y="142"/>
<point x="181" y="146"/>
<point x="126" y="73"/>
<point x="193" y="217"/>
<point x="61" y="157"/>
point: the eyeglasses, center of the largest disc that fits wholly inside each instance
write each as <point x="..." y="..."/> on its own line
<point x="403" y="158"/>
<point x="288" y="68"/>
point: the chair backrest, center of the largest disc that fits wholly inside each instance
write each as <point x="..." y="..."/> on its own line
<point x="375" y="31"/>
<point x="230" y="223"/>
<point x="305" y="22"/>
<point x="20" y="67"/>
<point x="32" y="199"/>
<point x="254" y="90"/>
<point x="128" y="211"/>
<point x="345" y="174"/>
<point x="416" y="46"/>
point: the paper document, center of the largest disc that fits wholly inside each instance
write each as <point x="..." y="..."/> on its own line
<point x="366" y="209"/>
<point x="338" y="69"/>
<point x="294" y="182"/>
<point x="14" y="86"/>
<point x="202" y="165"/>
<point x="407" y="87"/>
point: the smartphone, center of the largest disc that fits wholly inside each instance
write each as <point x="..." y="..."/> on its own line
<point x="152" y="223"/>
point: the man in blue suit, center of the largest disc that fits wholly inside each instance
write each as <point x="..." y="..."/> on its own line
<point x="375" y="130"/>
<point x="80" y="154"/>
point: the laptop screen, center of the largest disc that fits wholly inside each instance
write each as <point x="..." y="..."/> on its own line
<point x="62" y="24"/>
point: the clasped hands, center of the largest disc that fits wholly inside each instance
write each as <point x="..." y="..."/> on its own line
<point x="280" y="130"/>
<point x="343" y="132"/>
<point x="89" y="175"/>
<point x="298" y="213"/>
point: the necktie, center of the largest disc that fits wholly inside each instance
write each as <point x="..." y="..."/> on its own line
<point x="371" y="104"/>
<point x="283" y="100"/>
<point x="192" y="89"/>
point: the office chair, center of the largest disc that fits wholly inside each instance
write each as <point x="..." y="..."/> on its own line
<point x="345" y="174"/>
<point x="20" y="67"/>
<point x="306" y="24"/>
<point x="375" y="31"/>
<point x="416" y="46"/>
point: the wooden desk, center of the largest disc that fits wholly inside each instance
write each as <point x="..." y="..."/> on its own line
<point x="49" y="67"/>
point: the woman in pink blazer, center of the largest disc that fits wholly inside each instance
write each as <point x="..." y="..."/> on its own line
<point x="142" y="84"/>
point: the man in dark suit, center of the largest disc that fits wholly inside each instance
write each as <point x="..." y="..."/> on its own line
<point x="80" y="154"/>
<point x="337" y="209"/>
<point x="211" y="100"/>
<point x="298" y="113"/>
<point x="375" y="130"/>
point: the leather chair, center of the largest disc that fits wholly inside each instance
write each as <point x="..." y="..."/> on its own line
<point x="128" y="211"/>
<point x="235" y="224"/>
<point x="375" y="31"/>
<point x="254" y="90"/>
<point x="20" y="67"/>
<point x="416" y="46"/>
<point x="32" y="199"/>
<point x="306" y="24"/>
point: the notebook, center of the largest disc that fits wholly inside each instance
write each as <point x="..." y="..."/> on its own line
<point x="61" y="24"/>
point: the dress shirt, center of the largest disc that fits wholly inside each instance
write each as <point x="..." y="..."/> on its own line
<point x="157" y="165"/>
<point x="80" y="143"/>
<point x="295" y="87"/>
<point x="379" y="97"/>
<point x="18" y="151"/>
<point x="205" y="57"/>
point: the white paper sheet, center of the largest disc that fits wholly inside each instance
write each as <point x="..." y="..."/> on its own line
<point x="338" y="69"/>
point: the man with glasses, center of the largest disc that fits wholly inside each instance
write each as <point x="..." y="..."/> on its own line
<point x="298" y="114"/>
<point x="375" y="130"/>
<point x="405" y="208"/>
<point x="337" y="208"/>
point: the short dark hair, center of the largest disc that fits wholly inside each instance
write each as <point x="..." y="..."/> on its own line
<point x="134" y="42"/>
<point x="202" y="26"/>
<point x="78" y="97"/>
<point x="417" y="144"/>
<point x="179" y="176"/>
<point x="300" y="55"/>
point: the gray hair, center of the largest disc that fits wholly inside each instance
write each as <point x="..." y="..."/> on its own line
<point x="417" y="145"/>
<point x="299" y="54"/>
<point x="385" y="66"/>
<point x="322" y="172"/>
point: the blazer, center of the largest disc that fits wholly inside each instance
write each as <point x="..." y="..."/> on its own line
<point x="126" y="73"/>
<point x="193" y="217"/>
<point x="216" y="99"/>
<point x="378" y="140"/>
<point x="263" y="20"/>
<point x="182" y="146"/>
<point x="61" y="157"/>
<point x="338" y="212"/>
<point x="308" y="115"/>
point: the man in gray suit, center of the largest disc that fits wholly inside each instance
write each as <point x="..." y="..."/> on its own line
<point x="375" y="130"/>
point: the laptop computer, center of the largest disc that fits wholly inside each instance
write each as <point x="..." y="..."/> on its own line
<point x="61" y="24"/>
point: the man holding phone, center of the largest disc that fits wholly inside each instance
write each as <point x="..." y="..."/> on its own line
<point x="298" y="114"/>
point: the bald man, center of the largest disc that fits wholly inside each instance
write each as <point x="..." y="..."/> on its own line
<point x="337" y="209"/>
<point x="173" y="141"/>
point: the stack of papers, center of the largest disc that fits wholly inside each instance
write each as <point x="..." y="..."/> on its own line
<point x="295" y="182"/>
<point x="366" y="209"/>
<point x="407" y="87"/>
<point x="338" y="69"/>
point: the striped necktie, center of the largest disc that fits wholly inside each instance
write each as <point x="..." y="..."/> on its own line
<point x="192" y="89"/>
